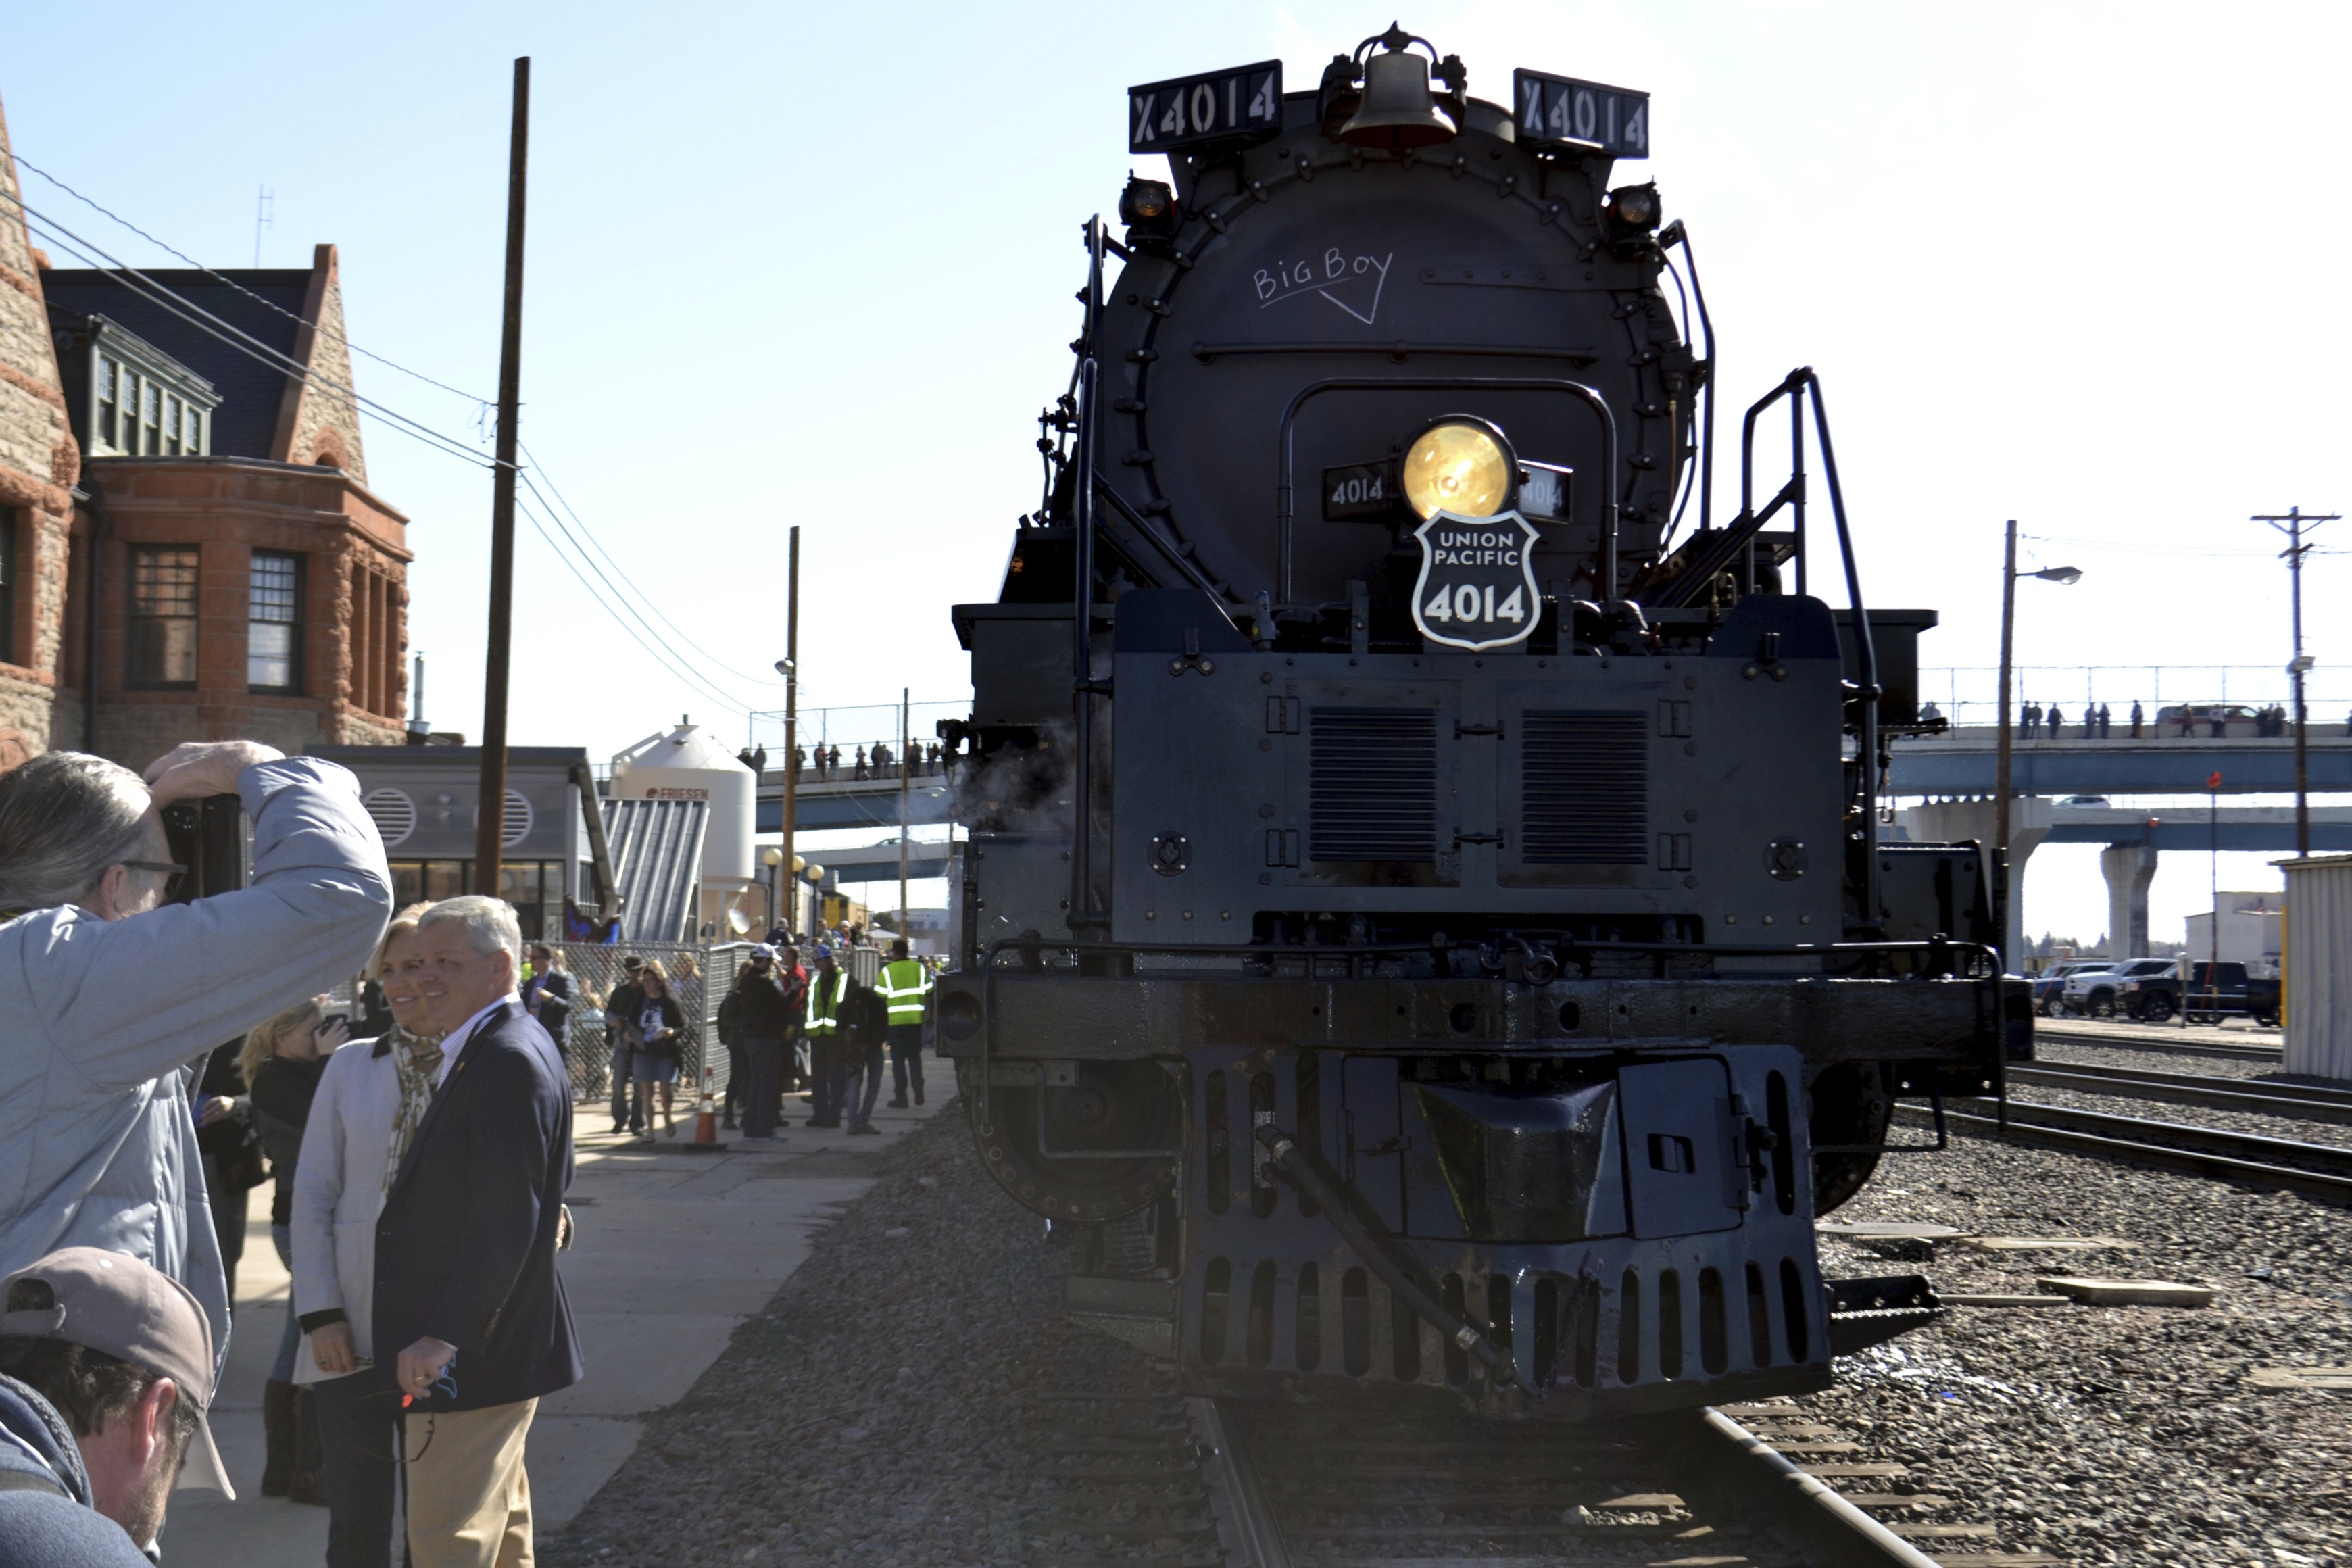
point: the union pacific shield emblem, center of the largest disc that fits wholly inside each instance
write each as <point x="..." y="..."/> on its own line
<point x="1477" y="585"/>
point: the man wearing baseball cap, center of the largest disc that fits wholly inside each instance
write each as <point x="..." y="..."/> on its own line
<point x="106" y="1368"/>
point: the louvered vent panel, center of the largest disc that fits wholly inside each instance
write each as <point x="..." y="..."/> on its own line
<point x="1585" y="778"/>
<point x="1375" y="795"/>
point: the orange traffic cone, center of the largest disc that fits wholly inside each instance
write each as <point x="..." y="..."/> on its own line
<point x="705" y="1121"/>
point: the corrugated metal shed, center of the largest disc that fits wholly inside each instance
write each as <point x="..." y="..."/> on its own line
<point x="657" y="860"/>
<point x="2319" y="965"/>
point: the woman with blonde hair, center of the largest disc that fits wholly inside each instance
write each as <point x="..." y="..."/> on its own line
<point x="372" y="1096"/>
<point x="282" y="1060"/>
<point x="654" y="1039"/>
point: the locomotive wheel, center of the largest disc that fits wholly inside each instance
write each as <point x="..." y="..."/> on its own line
<point x="1113" y="1106"/>
<point x="1845" y="1102"/>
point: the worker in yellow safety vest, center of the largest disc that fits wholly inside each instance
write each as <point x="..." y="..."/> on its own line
<point x="828" y="988"/>
<point x="906" y="986"/>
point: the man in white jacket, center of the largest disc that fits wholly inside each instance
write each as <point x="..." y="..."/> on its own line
<point x="108" y="998"/>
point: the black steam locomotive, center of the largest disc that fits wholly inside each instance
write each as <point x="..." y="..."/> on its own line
<point x="1427" y="924"/>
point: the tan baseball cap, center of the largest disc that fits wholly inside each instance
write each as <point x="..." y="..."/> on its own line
<point x="113" y="1303"/>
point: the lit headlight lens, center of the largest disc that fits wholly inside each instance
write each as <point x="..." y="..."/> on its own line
<point x="1458" y="466"/>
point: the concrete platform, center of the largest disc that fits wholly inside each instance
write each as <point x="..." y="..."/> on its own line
<point x="674" y="1250"/>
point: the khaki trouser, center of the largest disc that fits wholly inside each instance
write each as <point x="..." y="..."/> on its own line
<point x="469" y="1499"/>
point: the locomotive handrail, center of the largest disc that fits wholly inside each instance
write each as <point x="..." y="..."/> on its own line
<point x="1286" y="508"/>
<point x="1082" y="596"/>
<point x="1160" y="540"/>
<point x="1205" y="353"/>
<point x="1794" y="386"/>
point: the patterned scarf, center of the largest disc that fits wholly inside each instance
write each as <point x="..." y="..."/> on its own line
<point x="419" y="1062"/>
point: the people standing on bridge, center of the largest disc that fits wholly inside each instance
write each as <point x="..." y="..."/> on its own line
<point x="2029" y="721"/>
<point x="2220" y="718"/>
<point x="828" y="988"/>
<point x="882" y="760"/>
<point x="2137" y="718"/>
<point x="2107" y="721"/>
<point x="906" y="986"/>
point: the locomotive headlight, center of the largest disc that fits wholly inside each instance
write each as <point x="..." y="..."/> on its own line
<point x="1460" y="465"/>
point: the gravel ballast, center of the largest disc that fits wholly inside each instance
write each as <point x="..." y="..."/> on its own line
<point x="881" y="1410"/>
<point x="2112" y="1434"/>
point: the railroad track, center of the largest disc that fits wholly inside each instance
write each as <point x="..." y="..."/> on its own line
<point x="2322" y="1171"/>
<point x="2296" y="1101"/>
<point x="2138" y="1040"/>
<point x="1131" y="1474"/>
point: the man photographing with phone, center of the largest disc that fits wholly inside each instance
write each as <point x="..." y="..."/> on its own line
<point x="110" y="993"/>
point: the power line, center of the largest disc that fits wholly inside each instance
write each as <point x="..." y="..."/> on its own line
<point x="616" y="566"/>
<point x="213" y="326"/>
<point x="614" y="589"/>
<point x="240" y="288"/>
<point x="661" y="656"/>
<point x="168" y="300"/>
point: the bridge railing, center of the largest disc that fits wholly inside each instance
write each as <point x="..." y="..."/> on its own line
<point x="1969" y="695"/>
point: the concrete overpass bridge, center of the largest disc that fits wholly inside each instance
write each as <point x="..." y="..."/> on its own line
<point x="1961" y="763"/>
<point x="2133" y="841"/>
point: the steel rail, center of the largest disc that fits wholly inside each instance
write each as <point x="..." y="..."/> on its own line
<point x="2312" y="1185"/>
<point x="2334" y="1158"/>
<point x="1760" y="1487"/>
<point x="2179" y="1089"/>
<point x="1879" y="1543"/>
<point x="2118" y="1041"/>
<point x="1234" y="1491"/>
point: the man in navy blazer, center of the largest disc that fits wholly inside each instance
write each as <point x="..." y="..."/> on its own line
<point x="465" y="1256"/>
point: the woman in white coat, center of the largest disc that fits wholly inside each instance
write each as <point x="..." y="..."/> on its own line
<point x="370" y="1100"/>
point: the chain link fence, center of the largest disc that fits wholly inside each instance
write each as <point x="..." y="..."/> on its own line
<point x="699" y="977"/>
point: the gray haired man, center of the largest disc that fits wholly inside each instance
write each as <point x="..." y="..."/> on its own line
<point x="110" y="996"/>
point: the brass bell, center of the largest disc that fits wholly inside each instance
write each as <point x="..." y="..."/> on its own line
<point x="1398" y="108"/>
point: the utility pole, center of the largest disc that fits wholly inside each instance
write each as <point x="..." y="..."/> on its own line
<point x="2292" y="525"/>
<point x="906" y="777"/>
<point x="2008" y="961"/>
<point x="490" y="838"/>
<point x="790" y="668"/>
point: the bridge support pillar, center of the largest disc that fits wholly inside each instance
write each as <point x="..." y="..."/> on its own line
<point x="1956" y="821"/>
<point x="2129" y="868"/>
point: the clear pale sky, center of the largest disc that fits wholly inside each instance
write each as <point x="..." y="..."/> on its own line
<point x="2074" y="264"/>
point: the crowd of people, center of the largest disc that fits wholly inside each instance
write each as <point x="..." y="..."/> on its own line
<point x="2096" y="721"/>
<point x="417" y="1171"/>
<point x="793" y="1020"/>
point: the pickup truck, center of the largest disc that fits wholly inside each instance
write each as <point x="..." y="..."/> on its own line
<point x="2136" y="986"/>
<point x="2217" y="991"/>
<point x="2149" y="989"/>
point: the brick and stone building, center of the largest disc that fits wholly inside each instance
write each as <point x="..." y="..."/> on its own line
<point x="185" y="529"/>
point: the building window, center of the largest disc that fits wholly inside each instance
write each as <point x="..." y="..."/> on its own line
<point x="195" y="435"/>
<point x="162" y="616"/>
<point x="171" y="426"/>
<point x="151" y="439"/>
<point x="273" y="648"/>
<point x="109" y="377"/>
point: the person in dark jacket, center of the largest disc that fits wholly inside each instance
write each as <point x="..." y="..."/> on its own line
<point x="547" y="997"/>
<point x="465" y="1280"/>
<point x="653" y="1028"/>
<point x="232" y="1154"/>
<point x="622" y="1004"/>
<point x="106" y="1370"/>
<point x="761" y="1022"/>
<point x="282" y="1060"/>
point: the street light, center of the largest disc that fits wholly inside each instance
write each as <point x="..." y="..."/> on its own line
<point x="2064" y="575"/>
